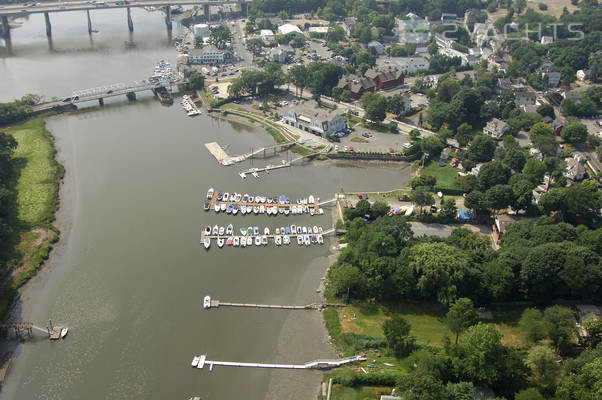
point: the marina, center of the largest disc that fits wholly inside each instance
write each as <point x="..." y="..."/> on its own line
<point x="191" y="109"/>
<point x="251" y="236"/>
<point x="200" y="361"/>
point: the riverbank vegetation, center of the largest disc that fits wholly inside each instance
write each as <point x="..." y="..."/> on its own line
<point x="28" y="202"/>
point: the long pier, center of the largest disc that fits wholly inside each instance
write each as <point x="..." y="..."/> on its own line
<point x="312" y="306"/>
<point x="224" y="158"/>
<point x="200" y="361"/>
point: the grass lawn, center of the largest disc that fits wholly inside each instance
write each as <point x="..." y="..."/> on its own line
<point x="359" y="140"/>
<point x="445" y="175"/>
<point x="37" y="180"/>
<point x="340" y="392"/>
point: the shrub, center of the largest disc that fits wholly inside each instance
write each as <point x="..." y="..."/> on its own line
<point x="542" y="6"/>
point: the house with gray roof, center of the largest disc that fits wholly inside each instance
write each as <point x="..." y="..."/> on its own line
<point x="315" y="120"/>
<point x="496" y="128"/>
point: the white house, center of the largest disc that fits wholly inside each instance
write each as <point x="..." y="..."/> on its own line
<point x="208" y="55"/>
<point x="496" y="128"/>
<point x="267" y="35"/>
<point x="317" y="121"/>
<point x="410" y="64"/>
<point x="290" y="28"/>
<point x="201" y="30"/>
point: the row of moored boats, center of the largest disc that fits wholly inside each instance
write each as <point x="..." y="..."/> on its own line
<point x="305" y="235"/>
<point x="248" y="204"/>
<point x="189" y="106"/>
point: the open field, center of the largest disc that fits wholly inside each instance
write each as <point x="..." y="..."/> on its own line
<point x="340" y="392"/>
<point x="445" y="175"/>
<point x="555" y="8"/>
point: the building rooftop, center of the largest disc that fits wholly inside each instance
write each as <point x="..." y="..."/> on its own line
<point x="289" y="28"/>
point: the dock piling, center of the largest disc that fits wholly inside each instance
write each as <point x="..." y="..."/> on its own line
<point x="5" y="28"/>
<point x="130" y="22"/>
<point x="89" y="22"/>
<point x="48" y="26"/>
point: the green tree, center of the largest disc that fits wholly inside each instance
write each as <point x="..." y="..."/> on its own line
<point x="298" y="76"/>
<point x="440" y="268"/>
<point x="481" y="353"/>
<point x="493" y="173"/>
<point x="546" y="110"/>
<point x="395" y="104"/>
<point x="196" y="81"/>
<point x="522" y="194"/>
<point x="475" y="200"/>
<point x="532" y="324"/>
<point x="461" y="390"/>
<point x="515" y="159"/>
<point x="375" y="106"/>
<point x="379" y="209"/>
<point x="255" y="46"/>
<point x="461" y="316"/>
<point x="481" y="148"/>
<point x="449" y="211"/>
<point x="544" y="368"/>
<point x="560" y="324"/>
<point x="397" y="333"/>
<point x="466" y="183"/>
<point x="534" y="170"/>
<point x="529" y="394"/>
<point x="433" y="48"/>
<point x="593" y="329"/>
<point x="499" y="197"/>
<point x="220" y="37"/>
<point x="543" y="137"/>
<point x="432" y="146"/>
<point x="420" y="385"/>
<point x="574" y="132"/>
<point x="422" y="197"/>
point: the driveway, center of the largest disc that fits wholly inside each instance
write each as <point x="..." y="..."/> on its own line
<point x="433" y="229"/>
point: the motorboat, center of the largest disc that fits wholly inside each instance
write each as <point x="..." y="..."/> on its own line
<point x="309" y="230"/>
<point x="245" y="198"/>
<point x="312" y="211"/>
<point x="310" y="200"/>
<point x="242" y="175"/>
<point x="268" y="211"/>
<point x="264" y="240"/>
<point x="235" y="209"/>
<point x="220" y="196"/>
<point x="286" y="240"/>
<point x="293" y="229"/>
<point x="304" y="229"/>
<point x="256" y="210"/>
<point x="225" y="196"/>
<point x="206" y="304"/>
<point x="278" y="240"/>
<point x="261" y="209"/>
<point x="300" y="240"/>
<point x="287" y="230"/>
<point x="251" y="199"/>
<point x="195" y="360"/>
<point x="315" y="229"/>
<point x="237" y="197"/>
<point x="210" y="193"/>
<point x="221" y="230"/>
<point x="243" y="209"/>
<point x="257" y="241"/>
<point x="306" y="209"/>
<point x="243" y="231"/>
<point x="243" y="241"/>
<point x="288" y="200"/>
<point x="282" y="199"/>
<point x="300" y="230"/>
<point x="255" y="174"/>
<point x="229" y="209"/>
<point x="256" y="230"/>
<point x="222" y="207"/>
<point x="314" y="239"/>
<point x="277" y="231"/>
<point x="282" y="230"/>
<point x="294" y="210"/>
<point x="229" y="229"/>
<point x="249" y="241"/>
<point x="207" y="206"/>
<point x="236" y="241"/>
<point x="217" y="206"/>
<point x="320" y="239"/>
<point x="249" y="231"/>
<point x="208" y="230"/>
<point x="206" y="242"/>
<point x="220" y="242"/>
<point x="320" y="211"/>
<point x="64" y="332"/>
<point x="215" y="229"/>
<point x="229" y="241"/>
<point x="286" y="211"/>
<point x="305" y="240"/>
<point x="266" y="231"/>
<point x="320" y="230"/>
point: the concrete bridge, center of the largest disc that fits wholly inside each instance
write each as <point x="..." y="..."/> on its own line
<point x="20" y="10"/>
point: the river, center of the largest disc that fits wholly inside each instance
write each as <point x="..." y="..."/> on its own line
<point x="129" y="275"/>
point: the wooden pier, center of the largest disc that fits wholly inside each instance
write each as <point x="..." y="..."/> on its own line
<point x="19" y="328"/>
<point x="313" y="306"/>
<point x="316" y="364"/>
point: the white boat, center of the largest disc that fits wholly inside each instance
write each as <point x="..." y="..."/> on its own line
<point x="243" y="241"/>
<point x="300" y="240"/>
<point x="206" y="304"/>
<point x="286" y="211"/>
<point x="293" y="229"/>
<point x="310" y="200"/>
<point x="236" y="242"/>
<point x="222" y="207"/>
<point x="215" y="229"/>
<point x="242" y="175"/>
<point x="226" y="196"/>
<point x="251" y="199"/>
<point x="312" y="211"/>
<point x="249" y="241"/>
<point x="264" y="240"/>
<point x="229" y="230"/>
<point x="409" y="211"/>
<point x="320" y="211"/>
<point x="286" y="240"/>
<point x="208" y="230"/>
<point x="193" y="113"/>
<point x="256" y="210"/>
<point x="235" y="210"/>
<point x="210" y="193"/>
<point x="206" y="242"/>
<point x="243" y="231"/>
<point x="255" y="174"/>
<point x="306" y="240"/>
<point x="320" y="239"/>
<point x="257" y="241"/>
<point x="261" y="209"/>
<point x="237" y="197"/>
<point x="266" y="231"/>
<point x="64" y="332"/>
<point x="320" y="230"/>
<point x="217" y="207"/>
<point x="294" y="210"/>
<point x="315" y="229"/>
<point x="195" y="361"/>
<point x="304" y="229"/>
<point x="268" y="210"/>
<point x="220" y="242"/>
<point x="277" y="231"/>
<point x="221" y="230"/>
<point x="278" y="240"/>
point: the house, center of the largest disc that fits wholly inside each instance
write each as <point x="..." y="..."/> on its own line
<point x="572" y="95"/>
<point x="547" y="40"/>
<point x="414" y="37"/>
<point x="411" y="64"/>
<point x="376" y="48"/>
<point x="500" y="224"/>
<point x="349" y="24"/>
<point x="496" y="128"/>
<point x="557" y="125"/>
<point x="575" y="170"/>
<point x="495" y="61"/>
<point x="208" y="55"/>
<point x="553" y="78"/>
<point x="356" y="85"/>
<point x="387" y="397"/>
<point x="536" y="153"/>
<point x="277" y="54"/>
<point x="413" y="25"/>
<point x="267" y="35"/>
<point x="386" y="78"/>
<point x="542" y="188"/>
<point x="585" y="311"/>
<point x="290" y="29"/>
<point x="524" y="96"/>
<point x="317" y="121"/>
<point x="319" y="30"/>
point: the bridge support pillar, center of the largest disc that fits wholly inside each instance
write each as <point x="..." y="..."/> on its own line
<point x="101" y="102"/>
<point x="131" y="96"/>
<point x="89" y="22"/>
<point x="5" y="28"/>
<point x="206" y="12"/>
<point x="48" y="26"/>
<point x="168" y="17"/>
<point x="130" y="22"/>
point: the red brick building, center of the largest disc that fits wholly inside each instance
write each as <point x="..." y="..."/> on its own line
<point x="356" y="85"/>
<point x="385" y="78"/>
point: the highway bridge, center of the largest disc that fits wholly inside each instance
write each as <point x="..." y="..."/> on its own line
<point x="20" y="10"/>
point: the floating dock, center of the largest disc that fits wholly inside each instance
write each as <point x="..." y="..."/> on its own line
<point x="316" y="364"/>
<point x="221" y="156"/>
<point x="313" y="306"/>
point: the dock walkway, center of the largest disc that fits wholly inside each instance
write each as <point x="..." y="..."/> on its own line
<point x="313" y="306"/>
<point x="316" y="364"/>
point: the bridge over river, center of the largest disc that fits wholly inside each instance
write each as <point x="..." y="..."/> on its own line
<point x="20" y="10"/>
